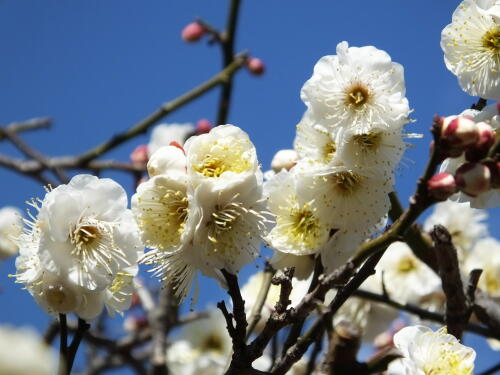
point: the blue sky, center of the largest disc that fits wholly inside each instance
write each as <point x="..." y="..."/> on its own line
<point x="96" y="67"/>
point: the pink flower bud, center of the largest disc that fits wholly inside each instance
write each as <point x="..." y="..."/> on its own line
<point x="473" y="178"/>
<point x="494" y="168"/>
<point x="193" y="32"/>
<point x="255" y="66"/>
<point x="140" y="155"/>
<point x="203" y="126"/>
<point x="284" y="159"/>
<point x="442" y="185"/>
<point x="457" y="133"/>
<point x="486" y="138"/>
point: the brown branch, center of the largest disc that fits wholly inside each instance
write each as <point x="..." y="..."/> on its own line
<point x="456" y="302"/>
<point x="28" y="125"/>
<point x="142" y="126"/>
<point x="227" y="43"/>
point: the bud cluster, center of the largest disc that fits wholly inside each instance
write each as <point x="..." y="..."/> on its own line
<point x="462" y="137"/>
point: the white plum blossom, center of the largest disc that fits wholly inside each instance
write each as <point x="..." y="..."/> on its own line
<point x="224" y="155"/>
<point x="80" y="252"/>
<point x="303" y="265"/>
<point x="11" y="225"/>
<point x="203" y="346"/>
<point x="427" y="352"/>
<point x="471" y="45"/>
<point x="164" y="134"/>
<point x="23" y="352"/>
<point x="299" y="229"/>
<point x="357" y="89"/>
<point x="466" y="225"/>
<point x="284" y="159"/>
<point x="406" y="278"/>
<point x="486" y="256"/>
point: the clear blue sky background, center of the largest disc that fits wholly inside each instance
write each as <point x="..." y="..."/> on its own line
<point x="96" y="67"/>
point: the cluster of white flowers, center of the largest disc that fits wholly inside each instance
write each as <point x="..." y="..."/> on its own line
<point x="348" y="143"/>
<point x="80" y="252"/>
<point x="202" y="208"/>
<point x="11" y="226"/>
<point x="22" y="352"/>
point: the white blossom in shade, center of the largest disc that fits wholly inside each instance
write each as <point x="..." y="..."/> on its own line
<point x="377" y="150"/>
<point x="165" y="160"/>
<point x="203" y="347"/>
<point x="253" y="286"/>
<point x="11" y="225"/>
<point x="427" y="352"/>
<point x="466" y="225"/>
<point x="224" y="155"/>
<point x="302" y="264"/>
<point x="350" y="197"/>
<point x="299" y="229"/>
<point x="488" y="199"/>
<point x="23" y="352"/>
<point x="228" y="224"/>
<point x="357" y="89"/>
<point x="406" y="278"/>
<point x="314" y="142"/>
<point x="160" y="207"/>
<point x="471" y="46"/>
<point x="164" y="134"/>
<point x="486" y="256"/>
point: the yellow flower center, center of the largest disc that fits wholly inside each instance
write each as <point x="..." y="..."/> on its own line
<point x="346" y="182"/>
<point x="357" y="95"/>
<point x="448" y="362"/>
<point x="492" y="283"/>
<point x="406" y="265"/>
<point x="491" y="40"/>
<point x="302" y="226"/>
<point x="368" y="142"/>
<point x="220" y="158"/>
<point x="85" y="235"/>
<point x="212" y="343"/>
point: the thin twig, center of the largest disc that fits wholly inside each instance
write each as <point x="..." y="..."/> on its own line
<point x="255" y="314"/>
<point x="63" y="344"/>
<point x="83" y="327"/>
<point x="28" y="125"/>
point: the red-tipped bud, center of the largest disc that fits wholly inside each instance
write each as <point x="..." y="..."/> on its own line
<point x="193" y="32"/>
<point x="255" y="66"/>
<point x="442" y="185"/>
<point x="140" y="155"/>
<point x="494" y="168"/>
<point x="175" y="144"/>
<point x="486" y="138"/>
<point x="473" y="178"/>
<point x="203" y="126"/>
<point x="457" y="133"/>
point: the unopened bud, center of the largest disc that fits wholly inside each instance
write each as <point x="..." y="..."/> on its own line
<point x="255" y="66"/>
<point x="193" y="32"/>
<point x="494" y="168"/>
<point x="284" y="159"/>
<point x="203" y="126"/>
<point x="457" y="133"/>
<point x="140" y="155"/>
<point x="167" y="159"/>
<point x="486" y="138"/>
<point x="473" y="178"/>
<point x="442" y="185"/>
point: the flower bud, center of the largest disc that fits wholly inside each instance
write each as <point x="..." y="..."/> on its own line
<point x="486" y="138"/>
<point x="167" y="159"/>
<point x="441" y="186"/>
<point x="284" y="159"/>
<point x="203" y="126"/>
<point x="255" y="66"/>
<point x="193" y="32"/>
<point x="473" y="178"/>
<point x="140" y="155"/>
<point x="494" y="168"/>
<point x="457" y="133"/>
